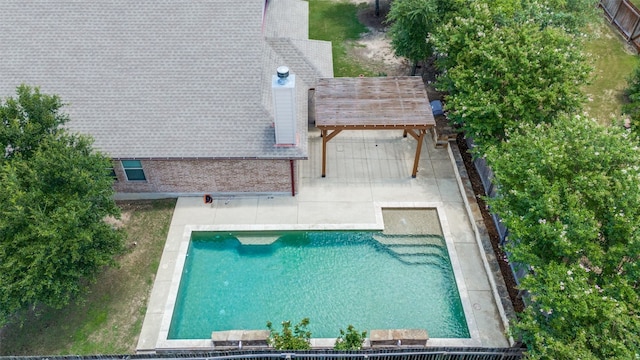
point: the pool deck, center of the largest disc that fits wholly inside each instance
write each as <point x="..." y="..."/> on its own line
<point x="366" y="171"/>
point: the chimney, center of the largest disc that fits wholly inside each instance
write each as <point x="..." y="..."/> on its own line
<point x="283" y="87"/>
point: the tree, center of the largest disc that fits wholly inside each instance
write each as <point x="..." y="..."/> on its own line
<point x="573" y="315"/>
<point x="569" y="193"/>
<point x="411" y="23"/>
<point x="498" y="77"/>
<point x="57" y="194"/>
<point x="296" y="339"/>
<point x="464" y="28"/>
<point x="28" y="119"/>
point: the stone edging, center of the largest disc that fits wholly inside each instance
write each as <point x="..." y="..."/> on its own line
<point x="498" y="285"/>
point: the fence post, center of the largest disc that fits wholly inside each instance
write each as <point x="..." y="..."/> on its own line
<point x="613" y="16"/>
<point x="633" y="30"/>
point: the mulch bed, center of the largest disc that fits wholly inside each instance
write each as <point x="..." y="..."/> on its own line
<point x="478" y="189"/>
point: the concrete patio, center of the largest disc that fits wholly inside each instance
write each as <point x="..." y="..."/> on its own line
<point x="366" y="171"/>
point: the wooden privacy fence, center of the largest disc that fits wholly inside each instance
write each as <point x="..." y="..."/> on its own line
<point x="626" y="18"/>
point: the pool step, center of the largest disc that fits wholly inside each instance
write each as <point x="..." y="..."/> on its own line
<point x="418" y="254"/>
<point x="421" y="260"/>
<point x="409" y="239"/>
<point x="416" y="250"/>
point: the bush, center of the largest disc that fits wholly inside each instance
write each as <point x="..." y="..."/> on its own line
<point x="351" y="340"/>
<point x="632" y="92"/>
<point x="298" y="339"/>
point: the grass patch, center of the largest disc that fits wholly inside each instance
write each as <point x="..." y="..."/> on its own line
<point x="337" y="21"/>
<point x="613" y="62"/>
<point x="109" y="318"/>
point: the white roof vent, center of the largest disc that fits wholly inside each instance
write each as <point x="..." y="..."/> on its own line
<point x="283" y="74"/>
<point x="283" y="87"/>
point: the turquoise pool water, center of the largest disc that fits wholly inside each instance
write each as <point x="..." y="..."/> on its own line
<point x="333" y="278"/>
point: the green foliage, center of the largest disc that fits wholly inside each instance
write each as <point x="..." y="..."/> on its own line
<point x="632" y="107"/>
<point x="57" y="193"/>
<point x="296" y="339"/>
<point x="350" y="340"/>
<point x="576" y="313"/>
<point x="411" y="22"/>
<point x="27" y="119"/>
<point x="467" y="28"/>
<point x="569" y="193"/>
<point x="499" y="77"/>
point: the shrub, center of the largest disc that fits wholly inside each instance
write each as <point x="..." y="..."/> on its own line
<point x="632" y="92"/>
<point x="298" y="339"/>
<point x="350" y="340"/>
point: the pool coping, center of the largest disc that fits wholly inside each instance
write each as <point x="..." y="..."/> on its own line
<point x="164" y="344"/>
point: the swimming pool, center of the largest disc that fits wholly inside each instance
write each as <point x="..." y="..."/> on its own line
<point x="241" y="280"/>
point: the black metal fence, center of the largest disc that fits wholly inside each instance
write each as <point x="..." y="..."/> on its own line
<point x="436" y="353"/>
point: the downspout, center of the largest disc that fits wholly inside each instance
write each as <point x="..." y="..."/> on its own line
<point x="293" y="179"/>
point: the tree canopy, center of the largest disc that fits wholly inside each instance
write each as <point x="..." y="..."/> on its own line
<point x="57" y="194"/>
<point x="569" y="193"/>
<point x="498" y="77"/>
<point x="411" y="22"/>
<point x="414" y="22"/>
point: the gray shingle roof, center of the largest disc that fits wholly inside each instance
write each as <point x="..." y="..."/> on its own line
<point x="287" y="18"/>
<point x="162" y="78"/>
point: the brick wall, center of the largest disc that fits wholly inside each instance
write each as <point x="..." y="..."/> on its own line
<point x="209" y="176"/>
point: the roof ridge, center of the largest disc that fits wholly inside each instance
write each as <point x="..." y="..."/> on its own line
<point x="301" y="56"/>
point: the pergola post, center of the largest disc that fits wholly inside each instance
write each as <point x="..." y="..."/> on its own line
<point x="416" y="160"/>
<point x="325" y="139"/>
<point x="324" y="153"/>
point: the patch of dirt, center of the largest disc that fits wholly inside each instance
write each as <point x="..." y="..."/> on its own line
<point x="373" y="49"/>
<point x="118" y="223"/>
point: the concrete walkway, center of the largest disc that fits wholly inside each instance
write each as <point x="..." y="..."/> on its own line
<point x="366" y="171"/>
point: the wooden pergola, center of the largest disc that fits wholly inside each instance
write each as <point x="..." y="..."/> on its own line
<point x="373" y="103"/>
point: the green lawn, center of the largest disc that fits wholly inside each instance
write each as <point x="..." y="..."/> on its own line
<point x="337" y="21"/>
<point x="109" y="319"/>
<point x="613" y="62"/>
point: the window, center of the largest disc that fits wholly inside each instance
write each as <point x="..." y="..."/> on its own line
<point x="133" y="170"/>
